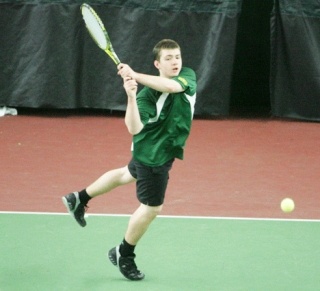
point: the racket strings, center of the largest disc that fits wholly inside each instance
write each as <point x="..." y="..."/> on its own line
<point x="97" y="31"/>
<point x="95" y="27"/>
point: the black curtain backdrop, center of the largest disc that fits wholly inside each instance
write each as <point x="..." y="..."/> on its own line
<point x="244" y="54"/>
<point x="48" y="59"/>
<point x="251" y="71"/>
<point x="295" y="59"/>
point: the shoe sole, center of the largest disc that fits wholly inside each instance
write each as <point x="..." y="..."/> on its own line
<point x="116" y="263"/>
<point x="66" y="204"/>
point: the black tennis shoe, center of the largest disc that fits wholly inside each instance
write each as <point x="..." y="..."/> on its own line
<point x="127" y="265"/>
<point x="75" y="207"/>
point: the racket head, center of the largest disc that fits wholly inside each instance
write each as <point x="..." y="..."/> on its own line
<point x="95" y="26"/>
<point x="97" y="31"/>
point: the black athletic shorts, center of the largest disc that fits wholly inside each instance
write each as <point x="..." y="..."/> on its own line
<point x="151" y="181"/>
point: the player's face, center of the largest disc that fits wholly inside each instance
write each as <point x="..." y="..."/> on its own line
<point x="170" y="63"/>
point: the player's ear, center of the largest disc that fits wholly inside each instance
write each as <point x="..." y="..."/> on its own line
<point x="156" y="64"/>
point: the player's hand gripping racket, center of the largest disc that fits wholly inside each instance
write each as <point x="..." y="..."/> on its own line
<point x="98" y="31"/>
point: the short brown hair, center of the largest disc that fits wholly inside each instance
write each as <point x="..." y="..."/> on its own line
<point x="164" y="44"/>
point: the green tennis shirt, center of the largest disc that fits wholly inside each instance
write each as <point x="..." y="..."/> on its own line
<point x="167" y="121"/>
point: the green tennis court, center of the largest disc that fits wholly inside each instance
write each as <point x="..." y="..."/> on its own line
<point x="51" y="252"/>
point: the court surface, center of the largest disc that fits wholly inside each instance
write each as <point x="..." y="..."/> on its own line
<point x="221" y="227"/>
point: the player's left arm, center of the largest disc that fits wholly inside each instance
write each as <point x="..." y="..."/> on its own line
<point x="160" y="84"/>
<point x="187" y="80"/>
<point x="157" y="83"/>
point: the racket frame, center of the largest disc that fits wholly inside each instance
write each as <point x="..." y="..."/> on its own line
<point x="109" y="48"/>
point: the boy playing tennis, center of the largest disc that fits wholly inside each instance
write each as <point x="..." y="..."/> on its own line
<point x="159" y="119"/>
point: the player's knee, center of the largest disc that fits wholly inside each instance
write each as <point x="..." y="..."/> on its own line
<point x="153" y="211"/>
<point x="125" y="176"/>
<point x="157" y="209"/>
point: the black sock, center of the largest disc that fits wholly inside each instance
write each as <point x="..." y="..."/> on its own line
<point x="84" y="197"/>
<point x="126" y="249"/>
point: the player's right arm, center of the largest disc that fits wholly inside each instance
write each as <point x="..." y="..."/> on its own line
<point x="132" y="116"/>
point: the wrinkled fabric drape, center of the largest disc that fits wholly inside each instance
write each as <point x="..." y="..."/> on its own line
<point x="48" y="59"/>
<point x="295" y="59"/>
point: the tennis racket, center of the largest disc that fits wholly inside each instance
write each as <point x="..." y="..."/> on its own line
<point x="98" y="31"/>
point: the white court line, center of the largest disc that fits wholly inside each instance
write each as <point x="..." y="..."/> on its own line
<point x="170" y="216"/>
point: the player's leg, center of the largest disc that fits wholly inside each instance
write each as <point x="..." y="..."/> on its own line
<point x="109" y="181"/>
<point x="140" y="221"/>
<point x="76" y="202"/>
<point x="151" y="186"/>
<point x="123" y="255"/>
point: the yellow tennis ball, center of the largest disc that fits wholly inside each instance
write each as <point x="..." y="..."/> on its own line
<point x="287" y="205"/>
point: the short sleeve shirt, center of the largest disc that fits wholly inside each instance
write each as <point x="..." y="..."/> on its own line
<point x="167" y="119"/>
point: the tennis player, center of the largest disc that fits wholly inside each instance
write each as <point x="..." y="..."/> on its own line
<point x="159" y="119"/>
